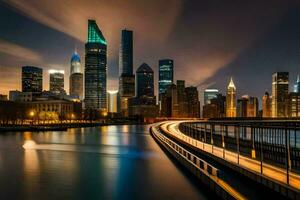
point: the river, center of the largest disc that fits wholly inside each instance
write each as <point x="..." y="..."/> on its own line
<point x="107" y="162"/>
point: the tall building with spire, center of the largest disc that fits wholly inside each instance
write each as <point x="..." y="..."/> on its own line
<point x="76" y="77"/>
<point x="280" y="91"/>
<point x="95" y="68"/>
<point x="231" y="100"/>
<point x="126" y="76"/>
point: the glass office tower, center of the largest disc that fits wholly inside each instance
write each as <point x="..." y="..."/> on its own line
<point x="95" y="68"/>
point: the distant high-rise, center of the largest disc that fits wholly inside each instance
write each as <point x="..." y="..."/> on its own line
<point x="247" y="106"/>
<point x="280" y="90"/>
<point x="294" y="104"/>
<point x="210" y="94"/>
<point x="166" y="75"/>
<point x="192" y="96"/>
<point x="76" y="77"/>
<point x="182" y="99"/>
<point x="56" y="83"/>
<point x="231" y="100"/>
<point x="297" y="85"/>
<point x="266" y="105"/>
<point x="95" y="68"/>
<point x="126" y="76"/>
<point x="32" y="79"/>
<point x="144" y="81"/>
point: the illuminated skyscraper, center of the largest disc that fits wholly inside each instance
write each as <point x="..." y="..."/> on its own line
<point x="95" y="68"/>
<point x="76" y="77"/>
<point x="231" y="100"/>
<point x="266" y="105"/>
<point x="280" y="90"/>
<point x="126" y="76"/>
<point x="166" y="74"/>
<point x="210" y="94"/>
<point x="32" y="79"/>
<point x="56" y="83"/>
<point x="193" y="102"/>
<point x="247" y="106"/>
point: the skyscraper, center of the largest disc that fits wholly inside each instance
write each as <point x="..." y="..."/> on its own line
<point x="297" y="85"/>
<point x="210" y="94"/>
<point x="166" y="75"/>
<point x="247" y="106"/>
<point x="266" y="105"/>
<point x="126" y="53"/>
<point x="231" y="100"/>
<point x="56" y="83"/>
<point x="76" y="77"/>
<point x="280" y="90"/>
<point x="126" y="76"/>
<point x="32" y="79"/>
<point x="144" y="81"/>
<point x="95" y="68"/>
<point x="182" y="99"/>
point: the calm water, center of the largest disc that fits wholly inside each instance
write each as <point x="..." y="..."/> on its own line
<point x="111" y="162"/>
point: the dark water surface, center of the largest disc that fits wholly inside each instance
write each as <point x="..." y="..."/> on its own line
<point x="109" y="162"/>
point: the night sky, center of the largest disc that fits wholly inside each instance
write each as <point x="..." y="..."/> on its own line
<point x="209" y="40"/>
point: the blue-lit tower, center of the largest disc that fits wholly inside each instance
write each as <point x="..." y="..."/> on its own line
<point x="166" y="75"/>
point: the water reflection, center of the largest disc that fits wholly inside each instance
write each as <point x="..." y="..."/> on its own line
<point x="109" y="162"/>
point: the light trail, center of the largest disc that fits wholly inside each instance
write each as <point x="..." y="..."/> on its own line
<point x="275" y="173"/>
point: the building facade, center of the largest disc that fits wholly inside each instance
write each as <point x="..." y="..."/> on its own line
<point x="76" y="77"/>
<point x="95" y="78"/>
<point x="297" y="85"/>
<point x="57" y="81"/>
<point x="231" y="100"/>
<point x="32" y="79"/>
<point x="113" y="101"/>
<point x="280" y="90"/>
<point x="165" y="76"/>
<point x="247" y="106"/>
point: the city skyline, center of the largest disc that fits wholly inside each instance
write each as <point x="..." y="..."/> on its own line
<point x="279" y="35"/>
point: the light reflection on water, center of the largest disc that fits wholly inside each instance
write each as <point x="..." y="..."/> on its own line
<point x="110" y="162"/>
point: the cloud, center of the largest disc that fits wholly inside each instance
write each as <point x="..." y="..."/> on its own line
<point x="18" y="51"/>
<point x="10" y="78"/>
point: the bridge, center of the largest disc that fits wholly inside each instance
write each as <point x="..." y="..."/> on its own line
<point x="237" y="158"/>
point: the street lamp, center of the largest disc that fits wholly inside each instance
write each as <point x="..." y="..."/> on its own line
<point x="31" y="114"/>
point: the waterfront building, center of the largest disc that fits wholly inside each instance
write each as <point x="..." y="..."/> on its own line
<point x="165" y="76"/>
<point x="144" y="81"/>
<point x="280" y="90"/>
<point x="56" y="81"/>
<point x="126" y="76"/>
<point x="95" y="68"/>
<point x="32" y="79"/>
<point x="54" y="109"/>
<point x="209" y="94"/>
<point x="193" y="103"/>
<point x="76" y="77"/>
<point x="266" y="105"/>
<point x="169" y="102"/>
<point x="231" y="99"/>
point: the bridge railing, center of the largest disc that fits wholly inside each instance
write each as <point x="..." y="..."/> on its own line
<point x="276" y="143"/>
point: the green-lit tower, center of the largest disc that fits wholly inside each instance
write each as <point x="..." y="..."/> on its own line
<point x="95" y="68"/>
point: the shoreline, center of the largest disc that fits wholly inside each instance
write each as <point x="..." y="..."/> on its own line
<point x="61" y="127"/>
